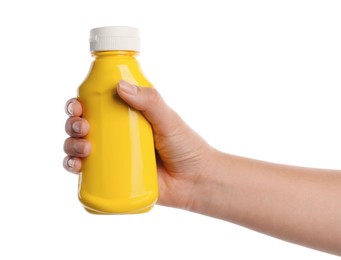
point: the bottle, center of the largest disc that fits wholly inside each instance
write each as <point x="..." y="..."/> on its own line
<point x="119" y="176"/>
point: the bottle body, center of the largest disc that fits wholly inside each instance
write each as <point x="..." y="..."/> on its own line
<point x="119" y="176"/>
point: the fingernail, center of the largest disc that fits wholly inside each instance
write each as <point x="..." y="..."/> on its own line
<point x="69" y="108"/>
<point x="71" y="162"/>
<point x="79" y="148"/>
<point x="127" y="88"/>
<point x="77" y="127"/>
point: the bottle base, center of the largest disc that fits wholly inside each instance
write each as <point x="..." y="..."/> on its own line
<point x="99" y="206"/>
<point x="95" y="212"/>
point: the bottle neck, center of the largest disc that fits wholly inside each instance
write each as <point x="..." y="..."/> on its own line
<point x="105" y="54"/>
<point x="116" y="65"/>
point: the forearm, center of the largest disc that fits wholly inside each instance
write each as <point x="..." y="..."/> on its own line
<point x="297" y="204"/>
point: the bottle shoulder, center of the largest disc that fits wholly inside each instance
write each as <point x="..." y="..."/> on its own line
<point x="104" y="75"/>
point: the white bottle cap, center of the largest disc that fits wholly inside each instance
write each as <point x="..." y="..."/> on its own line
<point x="111" y="38"/>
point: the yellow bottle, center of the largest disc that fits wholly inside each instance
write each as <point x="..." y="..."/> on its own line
<point x="119" y="176"/>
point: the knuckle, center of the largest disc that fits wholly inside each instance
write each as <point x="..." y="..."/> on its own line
<point x="154" y="96"/>
<point x="68" y="128"/>
<point x="67" y="145"/>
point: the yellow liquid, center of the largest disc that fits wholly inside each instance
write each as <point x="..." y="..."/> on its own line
<point x="120" y="174"/>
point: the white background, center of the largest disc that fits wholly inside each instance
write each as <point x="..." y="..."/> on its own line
<point x="254" y="78"/>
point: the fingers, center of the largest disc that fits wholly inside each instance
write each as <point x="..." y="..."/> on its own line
<point x="73" y="107"/>
<point x="76" y="147"/>
<point x="77" y="127"/>
<point x="72" y="164"/>
<point x="148" y="100"/>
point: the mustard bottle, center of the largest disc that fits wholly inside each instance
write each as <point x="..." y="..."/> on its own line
<point x="119" y="176"/>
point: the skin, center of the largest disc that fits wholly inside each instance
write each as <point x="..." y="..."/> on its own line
<point x="296" y="204"/>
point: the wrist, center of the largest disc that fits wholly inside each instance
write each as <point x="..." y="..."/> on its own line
<point x="211" y="187"/>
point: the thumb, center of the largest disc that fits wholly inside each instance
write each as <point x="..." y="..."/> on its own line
<point x="148" y="100"/>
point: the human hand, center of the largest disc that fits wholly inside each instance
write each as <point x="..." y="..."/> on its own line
<point x="183" y="157"/>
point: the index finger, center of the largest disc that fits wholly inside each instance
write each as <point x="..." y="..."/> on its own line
<point x="73" y="107"/>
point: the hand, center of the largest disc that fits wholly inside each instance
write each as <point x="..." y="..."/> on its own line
<point x="270" y="198"/>
<point x="183" y="157"/>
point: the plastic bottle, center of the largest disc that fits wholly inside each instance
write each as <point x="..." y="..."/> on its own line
<point x="120" y="174"/>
